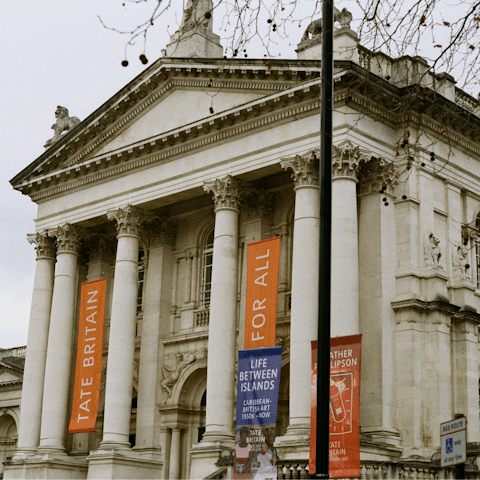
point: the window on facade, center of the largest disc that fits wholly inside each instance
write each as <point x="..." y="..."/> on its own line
<point x="141" y="279"/>
<point x="207" y="258"/>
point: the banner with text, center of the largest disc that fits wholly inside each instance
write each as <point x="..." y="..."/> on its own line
<point x="88" y="368"/>
<point x="263" y="260"/>
<point x="257" y="399"/>
<point x="344" y="440"/>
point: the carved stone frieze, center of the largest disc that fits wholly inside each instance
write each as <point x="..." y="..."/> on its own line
<point x="44" y="244"/>
<point x="68" y="238"/>
<point x="100" y="247"/>
<point x="172" y="369"/>
<point x="227" y="191"/>
<point x="129" y="219"/>
<point x="378" y="175"/>
<point x="258" y="205"/>
<point x="346" y="160"/>
<point x="460" y="263"/>
<point x="305" y="168"/>
<point x="432" y="250"/>
<point x="162" y="231"/>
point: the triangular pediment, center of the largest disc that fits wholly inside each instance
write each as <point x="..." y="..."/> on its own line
<point x="183" y="106"/>
<point x="166" y="105"/>
<point x="8" y="374"/>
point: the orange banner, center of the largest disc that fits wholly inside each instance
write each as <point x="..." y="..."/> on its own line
<point x="263" y="260"/>
<point x="344" y="438"/>
<point x="88" y="369"/>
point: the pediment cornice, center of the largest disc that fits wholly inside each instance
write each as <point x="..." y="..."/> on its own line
<point x="265" y="76"/>
<point x="262" y="113"/>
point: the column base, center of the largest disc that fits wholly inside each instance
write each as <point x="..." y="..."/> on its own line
<point x="155" y="453"/>
<point x="205" y="456"/>
<point x="119" y="464"/>
<point x="295" y="444"/>
<point x="389" y="436"/>
<point x="46" y="466"/>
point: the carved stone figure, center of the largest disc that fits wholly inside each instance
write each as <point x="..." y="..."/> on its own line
<point x="64" y="123"/>
<point x="197" y="12"/>
<point x="460" y="261"/>
<point x="172" y="373"/>
<point x="314" y="29"/>
<point x="433" y="252"/>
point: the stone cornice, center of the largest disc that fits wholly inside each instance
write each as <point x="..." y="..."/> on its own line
<point x="157" y="80"/>
<point x="255" y="115"/>
<point x="134" y="98"/>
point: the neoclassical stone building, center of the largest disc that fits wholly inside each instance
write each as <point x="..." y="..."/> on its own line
<point x="11" y="377"/>
<point x="161" y="189"/>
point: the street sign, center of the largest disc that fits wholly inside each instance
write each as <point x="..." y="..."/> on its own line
<point x="453" y="437"/>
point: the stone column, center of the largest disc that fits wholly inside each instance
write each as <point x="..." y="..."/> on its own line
<point x="304" y="311"/>
<point x="156" y="316"/>
<point x="344" y="281"/>
<point x="175" y="451"/>
<point x="60" y="341"/>
<point x="121" y="347"/>
<point x="377" y="271"/>
<point x="223" y="311"/>
<point x="34" y="372"/>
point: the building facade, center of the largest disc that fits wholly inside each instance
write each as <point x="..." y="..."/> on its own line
<point x="160" y="191"/>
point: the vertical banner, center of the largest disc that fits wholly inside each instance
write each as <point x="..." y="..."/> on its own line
<point x="88" y="367"/>
<point x="344" y="442"/>
<point x="257" y="399"/>
<point x="263" y="260"/>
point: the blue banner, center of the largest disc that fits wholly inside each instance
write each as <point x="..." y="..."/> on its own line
<point x="257" y="399"/>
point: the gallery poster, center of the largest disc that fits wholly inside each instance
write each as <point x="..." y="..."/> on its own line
<point x="257" y="399"/>
<point x="263" y="260"/>
<point x="344" y="440"/>
<point x="88" y="367"/>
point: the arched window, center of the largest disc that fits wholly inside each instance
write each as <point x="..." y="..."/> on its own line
<point x="206" y="281"/>
<point x="141" y="279"/>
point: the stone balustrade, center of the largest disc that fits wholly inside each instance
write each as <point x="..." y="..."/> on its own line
<point x="14" y="352"/>
<point x="202" y="318"/>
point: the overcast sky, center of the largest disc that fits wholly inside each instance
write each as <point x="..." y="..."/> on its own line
<point x="54" y="53"/>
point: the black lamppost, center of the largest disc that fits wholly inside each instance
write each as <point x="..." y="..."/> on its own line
<point x="325" y="182"/>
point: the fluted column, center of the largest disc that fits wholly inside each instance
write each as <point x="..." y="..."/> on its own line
<point x="344" y="281"/>
<point x="121" y="347"/>
<point x="304" y="311"/>
<point x="223" y="311"/>
<point x="60" y="341"/>
<point x="156" y="313"/>
<point x="34" y="372"/>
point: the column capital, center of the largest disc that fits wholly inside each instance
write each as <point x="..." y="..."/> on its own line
<point x="68" y="238"/>
<point x="44" y="245"/>
<point x="100" y="247"/>
<point x="129" y="219"/>
<point x="346" y="160"/>
<point x="258" y="205"/>
<point x="305" y="168"/>
<point x="227" y="192"/>
<point x="378" y="175"/>
<point x="162" y="231"/>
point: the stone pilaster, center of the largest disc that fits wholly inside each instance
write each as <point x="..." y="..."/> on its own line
<point x="304" y="310"/>
<point x="227" y="194"/>
<point x="344" y="281"/>
<point x="60" y="340"/>
<point x="377" y="289"/>
<point x="156" y="312"/>
<point x="34" y="372"/>
<point x="118" y="391"/>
